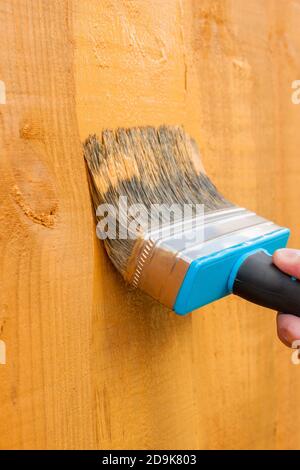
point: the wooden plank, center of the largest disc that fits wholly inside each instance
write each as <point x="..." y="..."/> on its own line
<point x="46" y="236"/>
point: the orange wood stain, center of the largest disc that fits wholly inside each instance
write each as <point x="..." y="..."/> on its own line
<point x="91" y="364"/>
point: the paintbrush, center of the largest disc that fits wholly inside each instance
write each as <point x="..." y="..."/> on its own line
<point x="168" y="230"/>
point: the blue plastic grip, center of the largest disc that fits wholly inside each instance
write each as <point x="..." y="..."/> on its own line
<point x="211" y="277"/>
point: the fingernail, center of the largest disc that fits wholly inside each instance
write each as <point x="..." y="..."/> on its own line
<point x="288" y="254"/>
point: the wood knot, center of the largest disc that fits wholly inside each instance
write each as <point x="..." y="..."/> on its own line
<point x="33" y="187"/>
<point x="30" y="129"/>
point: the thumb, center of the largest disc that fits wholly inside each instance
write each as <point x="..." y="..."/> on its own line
<point x="288" y="261"/>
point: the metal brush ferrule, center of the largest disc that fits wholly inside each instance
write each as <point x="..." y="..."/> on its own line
<point x="159" y="263"/>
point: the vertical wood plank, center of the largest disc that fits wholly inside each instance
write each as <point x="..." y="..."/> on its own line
<point x="46" y="235"/>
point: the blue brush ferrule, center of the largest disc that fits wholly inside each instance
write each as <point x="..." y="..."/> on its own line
<point x="211" y="277"/>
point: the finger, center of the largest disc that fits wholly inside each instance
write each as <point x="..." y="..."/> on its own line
<point x="288" y="328"/>
<point x="288" y="260"/>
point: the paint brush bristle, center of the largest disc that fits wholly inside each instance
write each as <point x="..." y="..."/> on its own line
<point x="188" y="261"/>
<point x="149" y="166"/>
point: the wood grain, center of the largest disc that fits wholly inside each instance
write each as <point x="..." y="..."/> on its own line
<point x="91" y="364"/>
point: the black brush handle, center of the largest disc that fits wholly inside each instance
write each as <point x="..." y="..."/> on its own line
<point x="261" y="282"/>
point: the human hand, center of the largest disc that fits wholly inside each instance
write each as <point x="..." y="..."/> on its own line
<point x="288" y="326"/>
